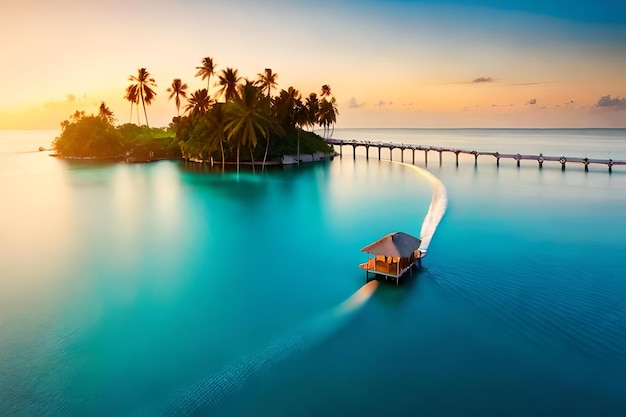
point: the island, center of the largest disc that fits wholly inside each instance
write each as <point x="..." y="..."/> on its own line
<point x="242" y="123"/>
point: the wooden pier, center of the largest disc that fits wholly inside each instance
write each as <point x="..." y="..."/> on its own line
<point x="540" y="159"/>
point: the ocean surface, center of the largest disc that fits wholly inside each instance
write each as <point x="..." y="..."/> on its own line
<point x="168" y="289"/>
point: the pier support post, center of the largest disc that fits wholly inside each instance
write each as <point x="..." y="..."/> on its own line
<point x="402" y="154"/>
<point x="562" y="161"/>
<point x="475" y="158"/>
<point x="379" y="152"/>
<point x="426" y="157"/>
<point x="367" y="152"/>
<point x="353" y="151"/>
<point x="440" y="157"/>
<point x="341" y="148"/>
<point x="610" y="164"/>
<point x="391" y="153"/>
<point x="540" y="160"/>
<point x="457" y="157"/>
<point x="413" y="156"/>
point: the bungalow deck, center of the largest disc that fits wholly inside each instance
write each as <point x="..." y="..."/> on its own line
<point x="393" y="256"/>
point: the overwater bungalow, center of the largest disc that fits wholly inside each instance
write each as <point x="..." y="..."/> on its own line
<point x="392" y="256"/>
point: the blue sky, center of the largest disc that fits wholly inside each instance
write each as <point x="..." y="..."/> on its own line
<point x="391" y="63"/>
<point x="606" y="11"/>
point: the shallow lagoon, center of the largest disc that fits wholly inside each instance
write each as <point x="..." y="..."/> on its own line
<point x="123" y="284"/>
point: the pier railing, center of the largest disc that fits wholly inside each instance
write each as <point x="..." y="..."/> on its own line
<point x="540" y="159"/>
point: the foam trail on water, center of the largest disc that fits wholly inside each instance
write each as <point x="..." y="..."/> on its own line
<point x="210" y="392"/>
<point x="322" y="326"/>
<point x="437" y="208"/>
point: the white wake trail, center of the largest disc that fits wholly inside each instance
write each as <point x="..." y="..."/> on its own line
<point x="212" y="391"/>
<point x="437" y="208"/>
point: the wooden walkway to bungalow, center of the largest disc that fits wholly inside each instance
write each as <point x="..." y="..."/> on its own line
<point x="540" y="159"/>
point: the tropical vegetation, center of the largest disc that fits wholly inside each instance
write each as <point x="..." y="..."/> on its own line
<point x="177" y="90"/>
<point x="242" y="122"/>
<point x="95" y="137"/>
<point x="86" y="136"/>
<point x="141" y="88"/>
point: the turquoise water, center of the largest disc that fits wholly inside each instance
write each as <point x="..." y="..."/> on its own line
<point x="124" y="286"/>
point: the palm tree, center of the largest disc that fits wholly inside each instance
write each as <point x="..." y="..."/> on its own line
<point x="328" y="115"/>
<point x="144" y="84"/>
<point x="327" y="111"/>
<point x="267" y="80"/>
<point x="199" y="102"/>
<point x="132" y="95"/>
<point x="206" y="70"/>
<point x="301" y="117"/>
<point x="285" y="107"/>
<point x="313" y="109"/>
<point x="326" y="91"/>
<point x="177" y="90"/>
<point x="228" y="81"/>
<point x="77" y="116"/>
<point x="247" y="118"/>
<point x="195" y="145"/>
<point x="216" y="121"/>
<point x="106" y="114"/>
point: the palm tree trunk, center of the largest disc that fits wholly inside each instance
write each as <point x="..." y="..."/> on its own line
<point x="298" y="146"/>
<point x="267" y="145"/>
<point x="252" y="158"/>
<point x="238" y="147"/>
<point x="143" y="103"/>
<point x="222" y="147"/>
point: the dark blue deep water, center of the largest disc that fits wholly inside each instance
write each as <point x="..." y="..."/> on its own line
<point x="126" y="289"/>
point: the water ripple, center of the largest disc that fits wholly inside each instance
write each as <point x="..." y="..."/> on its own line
<point x="565" y="306"/>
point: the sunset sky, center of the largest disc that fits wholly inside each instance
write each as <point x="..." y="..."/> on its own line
<point x="390" y="63"/>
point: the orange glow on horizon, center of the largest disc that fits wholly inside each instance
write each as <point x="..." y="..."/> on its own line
<point x="414" y="66"/>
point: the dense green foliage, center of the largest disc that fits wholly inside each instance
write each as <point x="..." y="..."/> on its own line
<point x="200" y="141"/>
<point x="250" y="124"/>
<point x="88" y="136"/>
<point x="144" y="143"/>
<point x="95" y="137"/>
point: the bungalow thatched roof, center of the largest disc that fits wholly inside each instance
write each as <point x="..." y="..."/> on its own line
<point x="398" y="244"/>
